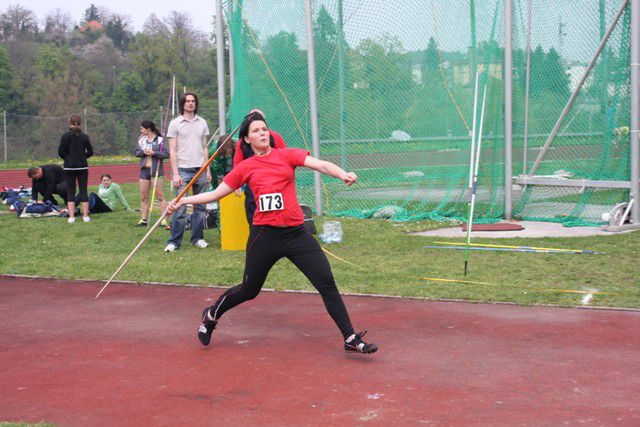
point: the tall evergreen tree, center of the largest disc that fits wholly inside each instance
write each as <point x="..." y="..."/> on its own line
<point x="93" y="13"/>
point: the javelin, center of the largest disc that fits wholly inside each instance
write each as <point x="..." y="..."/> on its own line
<point x="482" y="248"/>
<point x="474" y="187"/>
<point x="577" y="251"/>
<point x="213" y="136"/>
<point x="164" y="135"/>
<point x="153" y="193"/>
<point x="472" y="152"/>
<point x="164" y="214"/>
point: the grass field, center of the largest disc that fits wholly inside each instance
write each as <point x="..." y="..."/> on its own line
<point x="382" y="258"/>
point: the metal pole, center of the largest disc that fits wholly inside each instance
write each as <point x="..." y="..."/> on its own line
<point x="4" y="126"/>
<point x="575" y="93"/>
<point x="508" y="107"/>
<point x="525" y="142"/>
<point x="604" y="66"/>
<point x="232" y="63"/>
<point x="343" y="147"/>
<point x="472" y="13"/>
<point x="174" y="93"/>
<point x="220" y="66"/>
<point x="635" y="110"/>
<point x="313" y="108"/>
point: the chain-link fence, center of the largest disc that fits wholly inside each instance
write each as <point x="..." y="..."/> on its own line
<point x="112" y="134"/>
<point x="395" y="89"/>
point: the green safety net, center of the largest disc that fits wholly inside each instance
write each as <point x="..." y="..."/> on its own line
<point x="395" y="96"/>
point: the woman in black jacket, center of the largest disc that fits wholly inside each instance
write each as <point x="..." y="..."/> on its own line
<point x="75" y="148"/>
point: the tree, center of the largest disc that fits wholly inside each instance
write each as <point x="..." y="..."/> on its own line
<point x="286" y="60"/>
<point x="57" y="25"/>
<point x="183" y="37"/>
<point x="6" y="79"/>
<point x="129" y="94"/>
<point x="382" y="62"/>
<point x="154" y="26"/>
<point x="431" y="62"/>
<point x="50" y="61"/>
<point x="23" y="54"/>
<point x="558" y="78"/>
<point x="538" y="76"/>
<point x="93" y="13"/>
<point x="385" y="73"/>
<point x="431" y="56"/>
<point x="325" y="39"/>
<point x="17" y="23"/>
<point x="116" y="30"/>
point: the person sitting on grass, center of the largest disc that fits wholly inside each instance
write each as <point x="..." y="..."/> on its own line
<point x="108" y="197"/>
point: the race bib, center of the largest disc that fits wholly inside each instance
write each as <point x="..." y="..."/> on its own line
<point x="271" y="202"/>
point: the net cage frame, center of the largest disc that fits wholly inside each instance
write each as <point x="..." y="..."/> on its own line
<point x="527" y="179"/>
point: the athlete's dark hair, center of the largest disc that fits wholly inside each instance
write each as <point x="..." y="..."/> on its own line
<point x="75" y="121"/>
<point x="183" y="99"/>
<point x="247" y="151"/>
<point x="148" y="124"/>
<point x="32" y="171"/>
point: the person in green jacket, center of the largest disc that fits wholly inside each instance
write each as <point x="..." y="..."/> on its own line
<point x="108" y="197"/>
<point x="223" y="163"/>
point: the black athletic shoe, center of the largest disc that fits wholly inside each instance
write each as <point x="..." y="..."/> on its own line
<point x="359" y="346"/>
<point x="206" y="328"/>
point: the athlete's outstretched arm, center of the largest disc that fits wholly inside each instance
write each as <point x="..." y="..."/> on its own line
<point x="330" y="169"/>
<point x="222" y="190"/>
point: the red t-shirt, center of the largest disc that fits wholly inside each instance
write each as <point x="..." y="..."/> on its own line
<point x="278" y="142"/>
<point x="272" y="180"/>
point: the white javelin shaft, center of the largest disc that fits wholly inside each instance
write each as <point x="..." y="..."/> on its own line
<point x="475" y="174"/>
<point x="164" y="214"/>
<point x="144" y="239"/>
<point x="477" y="162"/>
<point x="473" y="132"/>
<point x="213" y="136"/>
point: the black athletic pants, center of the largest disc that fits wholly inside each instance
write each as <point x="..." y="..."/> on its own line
<point x="60" y="190"/>
<point x="82" y="176"/>
<point x="96" y="204"/>
<point x="265" y="247"/>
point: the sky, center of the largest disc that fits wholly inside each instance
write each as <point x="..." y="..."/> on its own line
<point x="201" y="11"/>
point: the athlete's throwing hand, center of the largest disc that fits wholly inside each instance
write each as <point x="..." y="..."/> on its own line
<point x="172" y="207"/>
<point x="350" y="178"/>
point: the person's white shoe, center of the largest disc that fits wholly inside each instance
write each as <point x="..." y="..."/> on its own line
<point x="86" y="219"/>
<point x="170" y="247"/>
<point x="201" y="244"/>
<point x="71" y="220"/>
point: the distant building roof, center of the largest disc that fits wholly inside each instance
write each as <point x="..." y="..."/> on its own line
<point x="92" y="26"/>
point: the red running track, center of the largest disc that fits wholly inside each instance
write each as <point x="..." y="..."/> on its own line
<point x="121" y="173"/>
<point x="131" y="358"/>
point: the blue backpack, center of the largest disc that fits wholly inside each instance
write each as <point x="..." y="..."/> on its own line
<point x="27" y="210"/>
